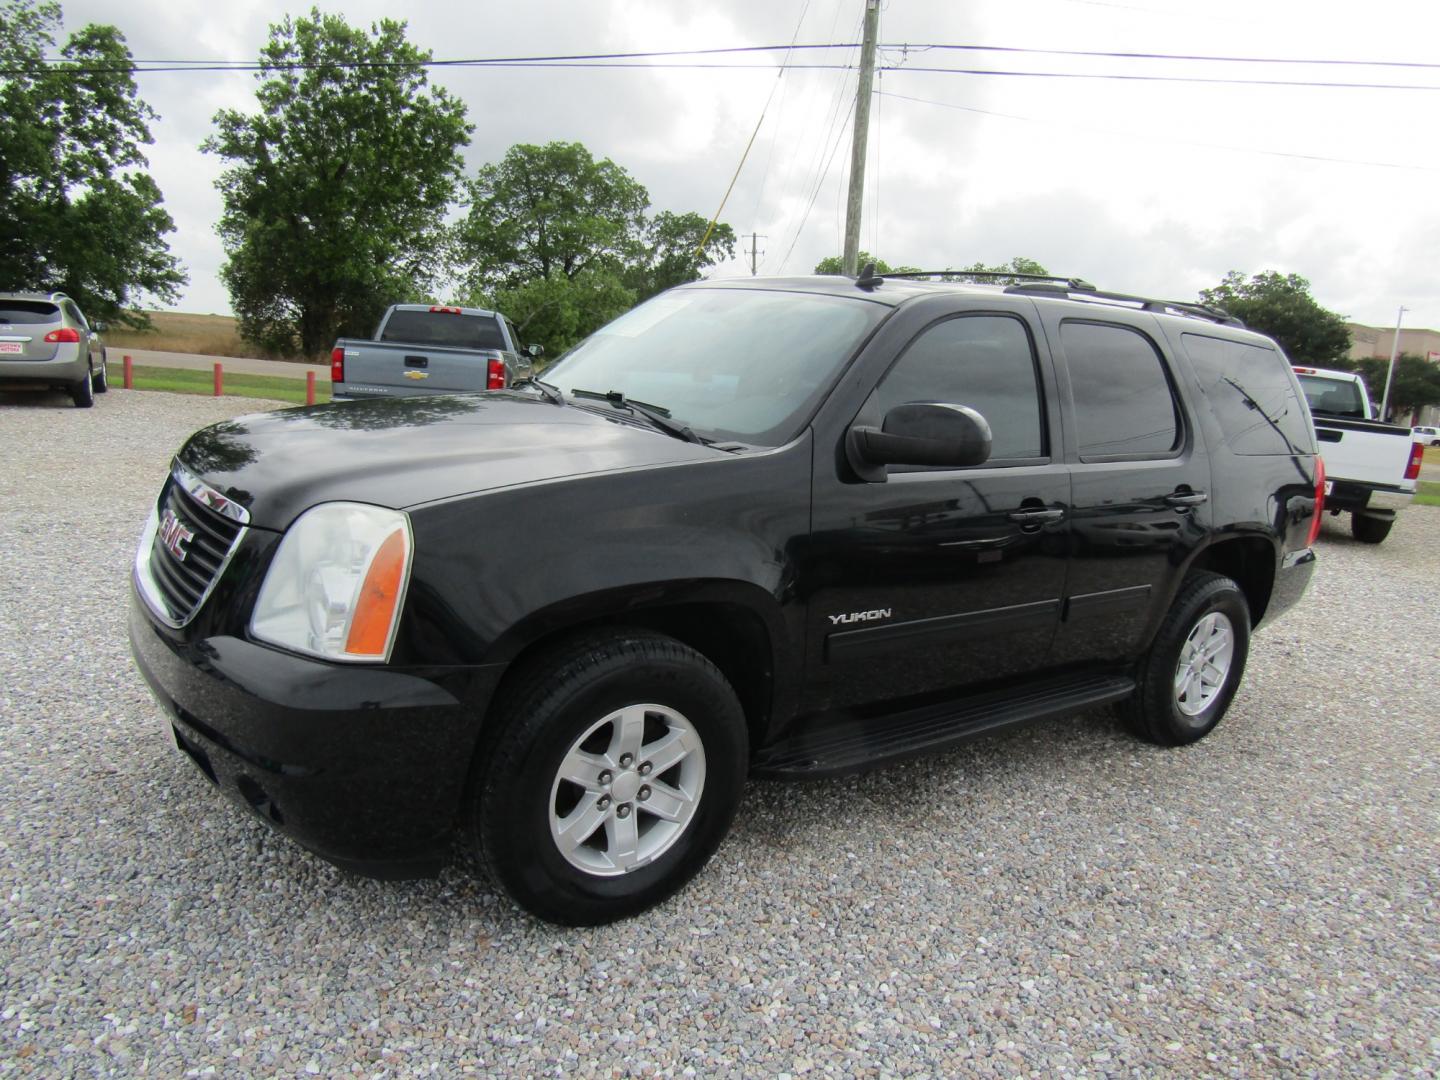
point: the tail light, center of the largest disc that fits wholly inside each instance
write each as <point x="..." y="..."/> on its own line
<point x="495" y="375"/>
<point x="1417" y="455"/>
<point x="1319" y="502"/>
<point x="337" y="365"/>
<point x="65" y="334"/>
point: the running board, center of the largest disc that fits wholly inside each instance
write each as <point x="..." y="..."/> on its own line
<point x="828" y="748"/>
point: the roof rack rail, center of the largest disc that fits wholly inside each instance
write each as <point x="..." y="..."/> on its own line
<point x="1144" y="303"/>
<point x="1078" y="284"/>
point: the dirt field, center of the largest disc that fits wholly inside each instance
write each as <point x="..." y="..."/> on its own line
<point x="177" y="331"/>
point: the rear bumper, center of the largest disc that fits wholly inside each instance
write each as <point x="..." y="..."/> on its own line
<point x="1370" y="498"/>
<point x="363" y="766"/>
<point x="64" y="369"/>
<point x="1291" y="581"/>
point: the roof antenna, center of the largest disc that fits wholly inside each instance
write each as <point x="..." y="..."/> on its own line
<point x="868" y="279"/>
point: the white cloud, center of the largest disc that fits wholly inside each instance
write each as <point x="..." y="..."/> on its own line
<point x="1128" y="184"/>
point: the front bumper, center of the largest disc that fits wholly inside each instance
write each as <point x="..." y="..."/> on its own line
<point x="364" y="766"/>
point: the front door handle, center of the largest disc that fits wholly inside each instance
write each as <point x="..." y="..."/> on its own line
<point x="1183" y="500"/>
<point x="1035" y="517"/>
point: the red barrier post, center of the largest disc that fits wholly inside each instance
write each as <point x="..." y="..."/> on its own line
<point x="309" y="388"/>
<point x="129" y="373"/>
<point x="219" y="379"/>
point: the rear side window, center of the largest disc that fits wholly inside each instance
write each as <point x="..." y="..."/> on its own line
<point x="1249" y="389"/>
<point x="1124" y="406"/>
<point x="28" y="312"/>
<point x="445" y="329"/>
<point x="983" y="361"/>
<point x="1333" y="397"/>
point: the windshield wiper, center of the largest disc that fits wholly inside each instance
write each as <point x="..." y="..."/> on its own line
<point x="656" y="414"/>
<point x="550" y="393"/>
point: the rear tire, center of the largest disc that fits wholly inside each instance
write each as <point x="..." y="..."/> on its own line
<point x="613" y="770"/>
<point x="1370" y="530"/>
<point x="83" y="392"/>
<point x="1185" y="683"/>
<point x="100" y="380"/>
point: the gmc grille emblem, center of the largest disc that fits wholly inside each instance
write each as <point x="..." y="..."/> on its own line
<point x="174" y="535"/>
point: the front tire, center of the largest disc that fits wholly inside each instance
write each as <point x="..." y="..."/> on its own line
<point x="612" y="774"/>
<point x="1186" y="681"/>
<point x="100" y="380"/>
<point x="1370" y="530"/>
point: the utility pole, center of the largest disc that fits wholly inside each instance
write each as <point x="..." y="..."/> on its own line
<point x="1390" y="371"/>
<point x="859" y="139"/>
<point x="753" y="253"/>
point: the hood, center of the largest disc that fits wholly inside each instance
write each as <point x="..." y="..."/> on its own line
<point x="401" y="452"/>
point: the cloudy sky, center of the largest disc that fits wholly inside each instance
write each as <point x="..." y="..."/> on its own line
<point x="1145" y="186"/>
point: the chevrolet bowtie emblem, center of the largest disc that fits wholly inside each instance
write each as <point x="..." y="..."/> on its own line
<point x="417" y="374"/>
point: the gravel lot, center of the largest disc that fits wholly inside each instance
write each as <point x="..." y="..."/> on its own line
<point x="1061" y="899"/>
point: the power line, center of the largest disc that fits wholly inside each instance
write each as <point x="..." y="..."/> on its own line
<point x="1147" y="133"/>
<point x="253" y="65"/>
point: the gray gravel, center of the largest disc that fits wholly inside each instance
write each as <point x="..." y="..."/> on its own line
<point x="1060" y="900"/>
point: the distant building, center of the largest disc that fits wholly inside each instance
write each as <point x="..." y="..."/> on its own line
<point x="1373" y="341"/>
<point x="1367" y="342"/>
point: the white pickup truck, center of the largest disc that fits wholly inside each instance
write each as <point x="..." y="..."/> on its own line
<point x="1370" y="467"/>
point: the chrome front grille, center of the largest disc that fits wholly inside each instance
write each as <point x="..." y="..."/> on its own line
<point x="187" y="543"/>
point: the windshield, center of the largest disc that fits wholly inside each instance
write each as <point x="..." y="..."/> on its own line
<point x="1333" y="397"/>
<point x="741" y="364"/>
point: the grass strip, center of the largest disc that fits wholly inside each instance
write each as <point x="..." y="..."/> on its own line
<point x="1428" y="493"/>
<point x="184" y="381"/>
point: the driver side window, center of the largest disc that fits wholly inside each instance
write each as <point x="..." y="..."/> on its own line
<point x="983" y="361"/>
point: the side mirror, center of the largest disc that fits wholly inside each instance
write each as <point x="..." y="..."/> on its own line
<point x="535" y="351"/>
<point x="920" y="433"/>
<point x="98" y="327"/>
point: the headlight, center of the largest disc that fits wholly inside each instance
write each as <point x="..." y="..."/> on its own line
<point x="337" y="583"/>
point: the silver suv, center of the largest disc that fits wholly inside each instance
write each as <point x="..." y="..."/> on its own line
<point x="45" y="343"/>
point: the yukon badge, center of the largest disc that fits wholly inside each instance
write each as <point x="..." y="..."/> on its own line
<point x="860" y="616"/>
<point x="174" y="535"/>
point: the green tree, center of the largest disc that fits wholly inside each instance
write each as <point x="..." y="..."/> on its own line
<point x="1018" y="265"/>
<point x="549" y="210"/>
<point x="1415" y="385"/>
<point x="1281" y="306"/>
<point x="672" y="254"/>
<point x="563" y="243"/>
<point x="834" y="264"/>
<point x="334" y="203"/>
<point x="77" y="213"/>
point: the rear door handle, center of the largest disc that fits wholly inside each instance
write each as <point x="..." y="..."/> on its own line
<point x="1184" y="499"/>
<point x="1035" y="517"/>
<point x="417" y="361"/>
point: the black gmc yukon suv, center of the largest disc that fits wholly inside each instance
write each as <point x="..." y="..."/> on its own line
<point x="781" y="528"/>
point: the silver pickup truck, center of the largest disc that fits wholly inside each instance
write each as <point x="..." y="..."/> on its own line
<point x="430" y="349"/>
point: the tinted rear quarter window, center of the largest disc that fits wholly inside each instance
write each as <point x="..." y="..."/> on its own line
<point x="445" y="329"/>
<point x="1250" y="391"/>
<point x="28" y="312"/>
<point x="1124" y="406"/>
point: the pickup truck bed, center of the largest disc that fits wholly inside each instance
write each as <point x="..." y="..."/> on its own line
<point x="395" y="369"/>
<point x="429" y="349"/>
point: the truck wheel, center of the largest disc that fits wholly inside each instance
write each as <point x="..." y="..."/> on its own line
<point x="82" y="393"/>
<point x="612" y="774"/>
<point x="1185" y="682"/>
<point x="1370" y="530"/>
